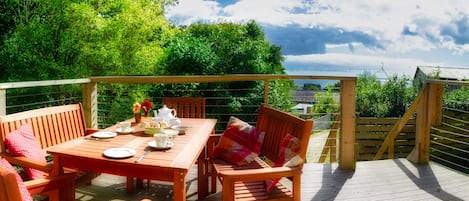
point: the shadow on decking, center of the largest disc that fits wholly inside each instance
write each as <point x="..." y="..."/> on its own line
<point x="396" y="179"/>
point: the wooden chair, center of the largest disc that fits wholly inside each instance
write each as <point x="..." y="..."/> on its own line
<point x="186" y="107"/>
<point x="247" y="182"/>
<point x="59" y="188"/>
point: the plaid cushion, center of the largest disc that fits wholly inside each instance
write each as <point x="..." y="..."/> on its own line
<point x="231" y="149"/>
<point x="288" y="157"/>
<point x="22" y="142"/>
<point x="254" y="138"/>
<point x="240" y="144"/>
<point x="23" y="190"/>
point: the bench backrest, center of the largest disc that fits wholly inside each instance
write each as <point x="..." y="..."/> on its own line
<point x="51" y="125"/>
<point x="276" y="125"/>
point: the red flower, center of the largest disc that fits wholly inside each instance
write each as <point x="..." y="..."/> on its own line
<point x="146" y="106"/>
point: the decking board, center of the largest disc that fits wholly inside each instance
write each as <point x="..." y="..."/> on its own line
<point x="396" y="179"/>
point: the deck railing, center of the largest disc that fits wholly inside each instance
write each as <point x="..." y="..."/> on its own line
<point x="91" y="105"/>
<point x="441" y="130"/>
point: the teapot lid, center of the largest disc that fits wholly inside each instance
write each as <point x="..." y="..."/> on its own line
<point x="164" y="108"/>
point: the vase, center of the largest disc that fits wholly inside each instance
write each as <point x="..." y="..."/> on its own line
<point x="138" y="117"/>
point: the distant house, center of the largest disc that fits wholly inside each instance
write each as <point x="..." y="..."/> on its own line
<point x="302" y="108"/>
<point x="304" y="96"/>
<point x="441" y="73"/>
<point x="424" y="73"/>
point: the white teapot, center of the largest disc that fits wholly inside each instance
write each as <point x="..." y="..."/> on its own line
<point x="166" y="114"/>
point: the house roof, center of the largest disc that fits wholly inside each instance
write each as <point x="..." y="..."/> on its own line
<point x="443" y="73"/>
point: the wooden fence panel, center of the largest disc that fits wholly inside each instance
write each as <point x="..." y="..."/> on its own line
<point x="370" y="133"/>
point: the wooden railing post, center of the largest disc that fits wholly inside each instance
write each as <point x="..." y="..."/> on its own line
<point x="266" y="91"/>
<point x="429" y="113"/>
<point x="3" y="101"/>
<point x="90" y="104"/>
<point x="347" y="157"/>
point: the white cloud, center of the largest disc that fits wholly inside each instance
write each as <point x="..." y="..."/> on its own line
<point x="192" y="11"/>
<point x="357" y="63"/>
<point x="356" y="35"/>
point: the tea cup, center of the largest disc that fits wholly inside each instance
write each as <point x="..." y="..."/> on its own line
<point x="124" y="126"/>
<point x="162" y="139"/>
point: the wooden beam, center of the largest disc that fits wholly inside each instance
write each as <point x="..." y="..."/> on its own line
<point x="429" y="113"/>
<point x="211" y="78"/>
<point x="266" y="91"/>
<point x="90" y="104"/>
<point x="347" y="157"/>
<point x="3" y="102"/>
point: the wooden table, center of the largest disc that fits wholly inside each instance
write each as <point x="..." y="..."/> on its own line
<point x="171" y="165"/>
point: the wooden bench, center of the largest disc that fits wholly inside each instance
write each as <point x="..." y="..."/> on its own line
<point x="248" y="182"/>
<point x="51" y="126"/>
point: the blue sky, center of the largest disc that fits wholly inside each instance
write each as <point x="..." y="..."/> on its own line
<point x="345" y="38"/>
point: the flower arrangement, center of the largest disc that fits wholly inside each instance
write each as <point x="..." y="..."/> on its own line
<point x="144" y="107"/>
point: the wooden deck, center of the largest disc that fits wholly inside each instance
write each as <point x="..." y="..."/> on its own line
<point x="373" y="180"/>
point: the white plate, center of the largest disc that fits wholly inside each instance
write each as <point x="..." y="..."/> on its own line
<point x="104" y="134"/>
<point x="129" y="130"/>
<point x="121" y="152"/>
<point x="152" y="144"/>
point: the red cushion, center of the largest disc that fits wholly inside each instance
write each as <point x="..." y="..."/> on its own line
<point x="231" y="149"/>
<point x="288" y="156"/>
<point x="22" y="142"/>
<point x="253" y="139"/>
<point x="23" y="190"/>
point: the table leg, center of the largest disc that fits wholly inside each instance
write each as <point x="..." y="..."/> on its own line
<point x="130" y="185"/>
<point x="202" y="178"/>
<point x="179" y="186"/>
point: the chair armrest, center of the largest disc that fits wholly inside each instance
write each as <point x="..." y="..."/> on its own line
<point x="50" y="183"/>
<point x="259" y="174"/>
<point x="212" y="141"/>
<point x="90" y="131"/>
<point x="27" y="162"/>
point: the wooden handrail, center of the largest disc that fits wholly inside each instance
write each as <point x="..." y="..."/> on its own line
<point x="211" y="78"/>
<point x="399" y="125"/>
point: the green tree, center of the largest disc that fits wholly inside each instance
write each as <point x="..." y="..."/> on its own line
<point x="389" y="99"/>
<point x="61" y="39"/>
<point x="227" y="48"/>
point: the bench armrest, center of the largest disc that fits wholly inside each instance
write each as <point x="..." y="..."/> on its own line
<point x="212" y="141"/>
<point x="90" y="131"/>
<point x="27" y="162"/>
<point x="259" y="174"/>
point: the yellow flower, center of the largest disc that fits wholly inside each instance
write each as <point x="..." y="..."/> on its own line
<point x="136" y="107"/>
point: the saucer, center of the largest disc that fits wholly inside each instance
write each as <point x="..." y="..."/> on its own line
<point x="129" y="130"/>
<point x="152" y="144"/>
<point x="120" y="152"/>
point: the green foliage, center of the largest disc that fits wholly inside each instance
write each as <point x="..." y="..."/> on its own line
<point x="226" y="48"/>
<point x="457" y="98"/>
<point x="375" y="99"/>
<point x="312" y="86"/>
<point x="188" y="55"/>
<point x="63" y="39"/>
<point x="327" y="102"/>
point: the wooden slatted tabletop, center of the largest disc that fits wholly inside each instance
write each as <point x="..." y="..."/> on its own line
<point x="170" y="165"/>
